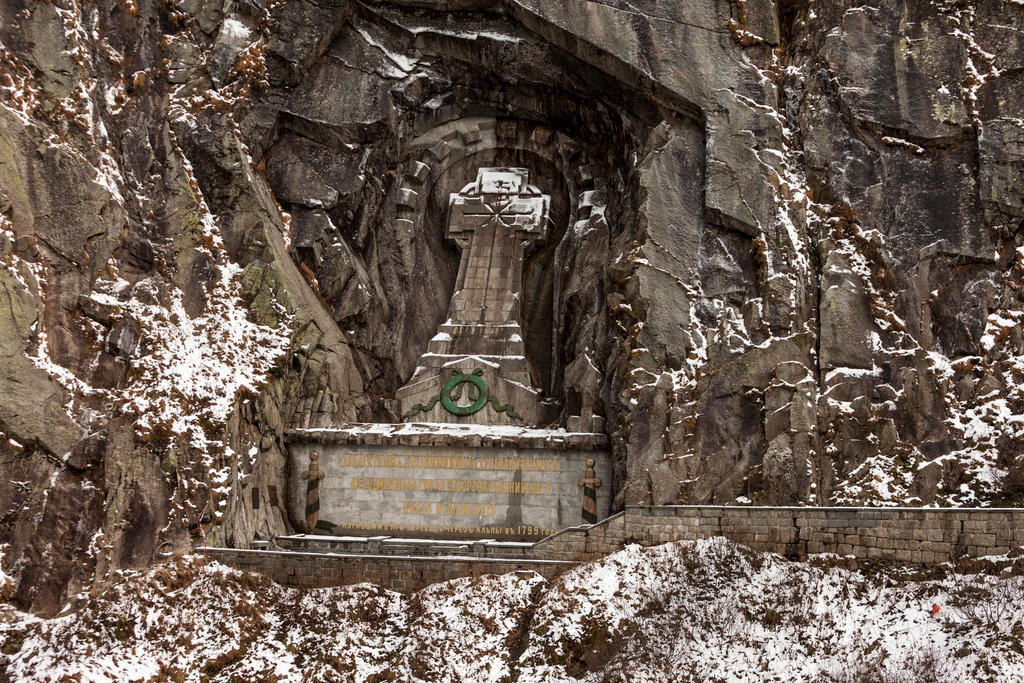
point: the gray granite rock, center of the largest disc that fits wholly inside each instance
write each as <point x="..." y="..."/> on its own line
<point x="782" y="249"/>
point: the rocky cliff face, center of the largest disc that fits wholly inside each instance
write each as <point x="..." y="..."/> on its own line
<point x="785" y="263"/>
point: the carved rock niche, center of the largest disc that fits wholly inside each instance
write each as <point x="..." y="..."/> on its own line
<point x="368" y="182"/>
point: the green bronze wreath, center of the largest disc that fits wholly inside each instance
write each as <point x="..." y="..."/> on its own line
<point x="476" y="392"/>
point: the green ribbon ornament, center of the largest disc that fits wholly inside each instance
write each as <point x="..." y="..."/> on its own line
<point x="476" y="391"/>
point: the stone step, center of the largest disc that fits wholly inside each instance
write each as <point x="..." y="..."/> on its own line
<point x="393" y="545"/>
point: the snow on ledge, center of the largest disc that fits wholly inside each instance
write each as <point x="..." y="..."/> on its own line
<point x="428" y="433"/>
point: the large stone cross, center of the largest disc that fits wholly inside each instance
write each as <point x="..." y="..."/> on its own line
<point x="494" y="219"/>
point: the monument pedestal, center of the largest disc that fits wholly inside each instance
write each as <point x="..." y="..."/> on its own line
<point x="447" y="386"/>
<point x="473" y="469"/>
<point x="475" y="369"/>
<point x="444" y="480"/>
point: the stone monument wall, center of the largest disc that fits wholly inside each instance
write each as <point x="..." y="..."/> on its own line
<point x="447" y="488"/>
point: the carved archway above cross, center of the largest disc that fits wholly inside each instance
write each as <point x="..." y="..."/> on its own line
<point x="444" y="153"/>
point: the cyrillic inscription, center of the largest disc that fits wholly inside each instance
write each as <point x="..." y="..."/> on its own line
<point x="460" y="491"/>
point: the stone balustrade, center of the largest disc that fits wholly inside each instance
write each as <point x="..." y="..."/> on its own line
<point x="403" y="573"/>
<point x="908" y="536"/>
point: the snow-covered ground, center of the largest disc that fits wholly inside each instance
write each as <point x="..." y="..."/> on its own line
<point x="686" y="611"/>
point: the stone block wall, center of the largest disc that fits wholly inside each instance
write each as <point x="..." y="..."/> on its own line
<point x="911" y="536"/>
<point x="905" y="535"/>
<point x="399" y="573"/>
<point x="454" y="492"/>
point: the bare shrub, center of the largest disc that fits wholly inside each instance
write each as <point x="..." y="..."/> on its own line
<point x="989" y="605"/>
<point x="925" y="663"/>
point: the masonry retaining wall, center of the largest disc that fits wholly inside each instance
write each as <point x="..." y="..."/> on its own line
<point x="904" y="535"/>
<point x="912" y="536"/>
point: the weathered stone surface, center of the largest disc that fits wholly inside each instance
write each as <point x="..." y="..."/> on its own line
<point x="295" y="182"/>
<point x="847" y="324"/>
<point x="352" y="65"/>
<point x="783" y="257"/>
<point x="304" y="29"/>
<point x="1001" y="148"/>
<point x="32" y="409"/>
<point x="896" y="535"/>
<point x="494" y="220"/>
<point x="184" y="60"/>
<point x="900" y="72"/>
<point x="44" y="32"/>
<point x="53" y="199"/>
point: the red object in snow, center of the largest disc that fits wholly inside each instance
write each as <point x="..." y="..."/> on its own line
<point x="935" y="609"/>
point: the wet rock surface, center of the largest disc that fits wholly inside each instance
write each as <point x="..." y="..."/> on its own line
<point x="784" y="264"/>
